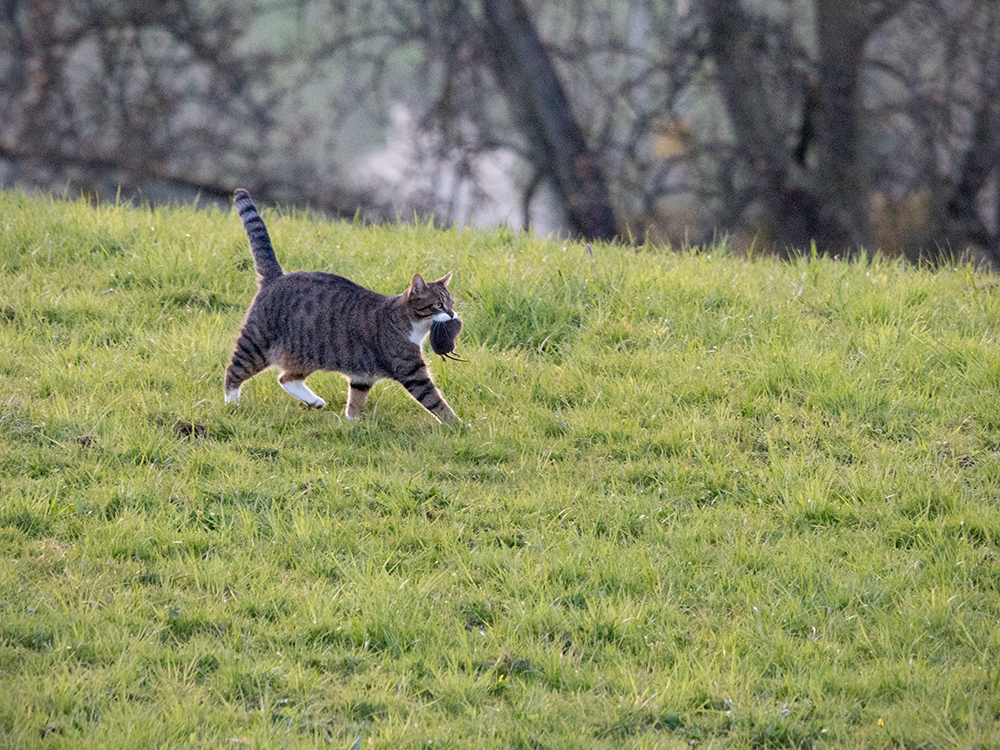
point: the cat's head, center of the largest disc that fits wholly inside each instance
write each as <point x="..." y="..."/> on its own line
<point x="427" y="299"/>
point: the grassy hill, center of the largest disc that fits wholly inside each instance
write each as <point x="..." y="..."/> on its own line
<point x="700" y="501"/>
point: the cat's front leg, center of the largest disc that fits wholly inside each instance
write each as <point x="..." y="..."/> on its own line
<point x="446" y="414"/>
<point x="419" y="384"/>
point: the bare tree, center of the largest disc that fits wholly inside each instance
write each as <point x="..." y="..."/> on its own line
<point x="961" y="221"/>
<point x="934" y="124"/>
<point x="853" y="123"/>
<point x="507" y="40"/>
<point x="825" y="204"/>
<point x="147" y="95"/>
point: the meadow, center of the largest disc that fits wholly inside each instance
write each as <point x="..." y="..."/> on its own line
<point x="700" y="501"/>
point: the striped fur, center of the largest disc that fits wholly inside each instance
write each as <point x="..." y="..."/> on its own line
<point x="308" y="321"/>
<point x="268" y="268"/>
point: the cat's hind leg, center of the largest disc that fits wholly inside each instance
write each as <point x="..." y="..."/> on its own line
<point x="294" y="384"/>
<point x="248" y="359"/>
<point x="357" y="394"/>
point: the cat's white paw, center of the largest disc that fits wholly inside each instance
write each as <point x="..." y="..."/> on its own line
<point x="233" y="396"/>
<point x="301" y="391"/>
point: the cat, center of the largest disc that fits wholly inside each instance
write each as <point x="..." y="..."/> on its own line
<point x="307" y="321"/>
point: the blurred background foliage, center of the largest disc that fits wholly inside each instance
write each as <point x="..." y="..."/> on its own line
<point x="773" y="123"/>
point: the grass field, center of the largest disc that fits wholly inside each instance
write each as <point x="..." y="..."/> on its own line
<point x="700" y="501"/>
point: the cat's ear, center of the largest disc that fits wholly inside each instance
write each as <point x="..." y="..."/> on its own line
<point x="418" y="284"/>
<point x="443" y="281"/>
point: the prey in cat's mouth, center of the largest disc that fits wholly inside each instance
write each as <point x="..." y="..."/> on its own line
<point x="307" y="321"/>
<point x="443" y="335"/>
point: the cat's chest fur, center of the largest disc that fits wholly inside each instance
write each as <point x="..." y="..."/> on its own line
<point x="421" y="329"/>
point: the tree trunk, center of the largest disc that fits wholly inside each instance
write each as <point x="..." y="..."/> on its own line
<point x="963" y="225"/>
<point x="43" y="128"/>
<point x="828" y="207"/>
<point x="841" y="30"/>
<point x="536" y="97"/>
<point x="736" y="43"/>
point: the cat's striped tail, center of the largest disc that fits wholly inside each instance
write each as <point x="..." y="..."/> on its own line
<point x="268" y="268"/>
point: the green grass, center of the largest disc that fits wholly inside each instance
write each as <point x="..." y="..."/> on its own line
<point x="701" y="502"/>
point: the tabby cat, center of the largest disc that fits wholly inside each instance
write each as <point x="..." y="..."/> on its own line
<point x="307" y="321"/>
